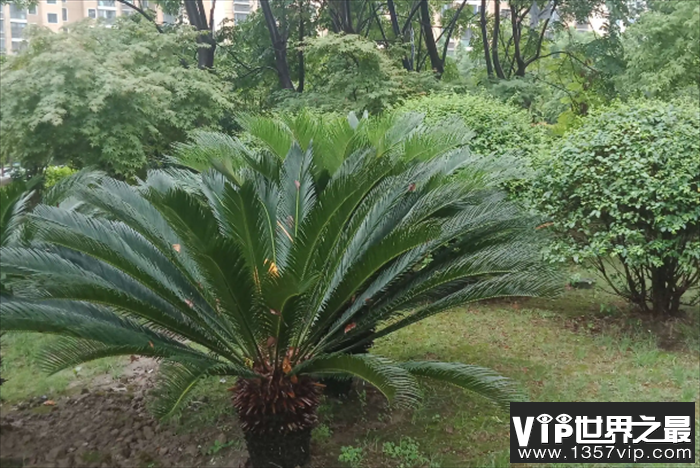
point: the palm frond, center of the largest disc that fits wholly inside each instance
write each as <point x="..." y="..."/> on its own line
<point x="479" y="380"/>
<point x="177" y="379"/>
<point x="395" y="382"/>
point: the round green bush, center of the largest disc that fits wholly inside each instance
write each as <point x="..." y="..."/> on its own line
<point x="623" y="192"/>
<point x="53" y="174"/>
<point x="498" y="128"/>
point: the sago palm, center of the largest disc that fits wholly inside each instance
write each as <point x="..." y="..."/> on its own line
<point x="257" y="270"/>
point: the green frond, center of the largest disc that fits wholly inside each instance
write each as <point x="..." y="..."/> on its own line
<point x="177" y="379"/>
<point x="395" y="382"/>
<point x="479" y="380"/>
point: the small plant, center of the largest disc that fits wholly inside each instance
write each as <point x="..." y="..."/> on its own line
<point x="217" y="446"/>
<point x="321" y="433"/>
<point x="353" y="456"/>
<point x="407" y="452"/>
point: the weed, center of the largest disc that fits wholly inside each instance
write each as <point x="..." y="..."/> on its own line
<point x="407" y="453"/>
<point x="216" y="447"/>
<point x="321" y="433"/>
<point x="353" y="456"/>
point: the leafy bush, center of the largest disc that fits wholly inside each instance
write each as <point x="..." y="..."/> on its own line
<point x="623" y="193"/>
<point x="498" y="128"/>
<point x="53" y="174"/>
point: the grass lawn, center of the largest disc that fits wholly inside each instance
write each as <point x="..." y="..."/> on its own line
<point x="579" y="347"/>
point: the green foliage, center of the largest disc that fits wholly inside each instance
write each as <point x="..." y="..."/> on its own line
<point x="115" y="98"/>
<point x="350" y="73"/>
<point x="662" y="51"/>
<point x="498" y="128"/>
<point x="273" y="272"/>
<point x="53" y="174"/>
<point x="624" y="188"/>
<point x="353" y="456"/>
<point x="321" y="433"/>
<point x="407" y="453"/>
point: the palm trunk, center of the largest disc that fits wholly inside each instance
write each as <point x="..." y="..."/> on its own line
<point x="277" y="414"/>
<point x="284" y="451"/>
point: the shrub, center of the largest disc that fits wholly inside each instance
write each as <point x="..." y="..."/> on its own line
<point x="498" y="128"/>
<point x="623" y="193"/>
<point x="53" y="174"/>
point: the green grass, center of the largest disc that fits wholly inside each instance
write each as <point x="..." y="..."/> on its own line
<point x="568" y="349"/>
<point x="25" y="379"/>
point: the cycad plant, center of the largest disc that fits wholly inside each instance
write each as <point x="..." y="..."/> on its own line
<point x="256" y="269"/>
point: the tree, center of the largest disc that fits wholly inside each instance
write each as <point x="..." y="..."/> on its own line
<point x="622" y="193"/>
<point x="348" y="72"/>
<point x="520" y="42"/>
<point x="662" y="51"/>
<point x="266" y="271"/>
<point x="75" y="97"/>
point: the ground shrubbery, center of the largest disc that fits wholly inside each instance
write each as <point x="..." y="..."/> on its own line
<point x="623" y="193"/>
<point x="498" y="128"/>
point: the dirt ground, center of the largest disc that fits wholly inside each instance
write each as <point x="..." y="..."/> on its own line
<point x="106" y="425"/>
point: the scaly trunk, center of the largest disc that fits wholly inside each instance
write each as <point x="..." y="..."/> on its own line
<point x="277" y="414"/>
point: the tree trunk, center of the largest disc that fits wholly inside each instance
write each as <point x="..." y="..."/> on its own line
<point x="516" y="29"/>
<point x="431" y="47"/>
<point x="494" y="41"/>
<point x="198" y="18"/>
<point x="397" y="30"/>
<point x="485" y="40"/>
<point x="300" y="54"/>
<point x="279" y="45"/>
<point x="665" y="298"/>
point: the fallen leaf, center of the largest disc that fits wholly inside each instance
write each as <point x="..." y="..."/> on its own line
<point x="133" y="358"/>
<point x="49" y="403"/>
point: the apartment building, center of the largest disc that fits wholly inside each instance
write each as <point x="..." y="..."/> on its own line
<point x="56" y="14"/>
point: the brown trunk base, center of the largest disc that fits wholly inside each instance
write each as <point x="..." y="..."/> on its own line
<point x="279" y="450"/>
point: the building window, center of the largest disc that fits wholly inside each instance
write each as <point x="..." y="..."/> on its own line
<point x="241" y="8"/>
<point x="92" y="13"/>
<point x="169" y="19"/>
<point x="52" y="18"/>
<point x="108" y="15"/>
<point x="106" y="3"/>
<point x="17" y="13"/>
<point x="32" y="10"/>
<point x="582" y="25"/>
<point x="505" y="13"/>
<point x="51" y="2"/>
<point x="64" y="13"/>
<point x="18" y="46"/>
<point x="239" y="18"/>
<point x="17" y="30"/>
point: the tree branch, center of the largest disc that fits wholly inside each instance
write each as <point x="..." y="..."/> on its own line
<point x="143" y="13"/>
